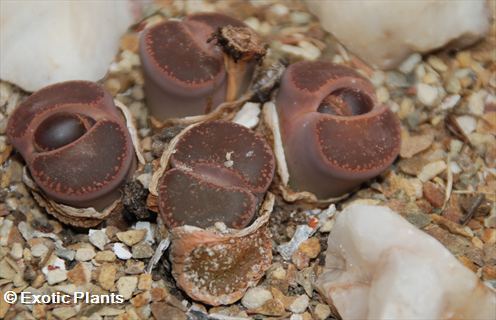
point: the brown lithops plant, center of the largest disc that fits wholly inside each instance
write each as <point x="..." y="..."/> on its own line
<point x="77" y="148"/>
<point x="334" y="133"/>
<point x="219" y="171"/>
<point x="185" y="73"/>
<point x="211" y="185"/>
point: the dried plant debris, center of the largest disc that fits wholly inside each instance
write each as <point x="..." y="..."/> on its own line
<point x="239" y="43"/>
<point x="443" y="183"/>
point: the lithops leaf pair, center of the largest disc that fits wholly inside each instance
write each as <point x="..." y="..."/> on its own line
<point x="329" y="131"/>
<point x="211" y="189"/>
<point x="77" y="147"/>
<point x="186" y="71"/>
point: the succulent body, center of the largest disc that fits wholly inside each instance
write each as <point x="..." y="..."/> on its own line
<point x="335" y="133"/>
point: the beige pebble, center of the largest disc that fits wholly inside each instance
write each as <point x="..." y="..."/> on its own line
<point x="322" y="311"/>
<point x="431" y="170"/>
<point x="64" y="313"/>
<point x="131" y="237"/>
<point x="106" y="278"/>
<point x="85" y="254"/>
<point x="145" y="281"/>
<point x="126" y="286"/>
<point x="105" y="256"/>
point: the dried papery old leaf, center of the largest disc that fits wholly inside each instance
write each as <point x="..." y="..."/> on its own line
<point x="217" y="267"/>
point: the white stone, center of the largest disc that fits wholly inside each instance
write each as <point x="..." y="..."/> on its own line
<point x="56" y="276"/>
<point x="384" y="33"/>
<point x="427" y="94"/>
<point x="379" y="266"/>
<point x="5" y="227"/>
<point x="468" y="124"/>
<point x="302" y="233"/>
<point x="300" y="304"/>
<point x="304" y="49"/>
<point x="455" y="168"/>
<point x="98" y="238"/>
<point x="39" y="250"/>
<point x="279" y="9"/>
<point x="121" y="251"/>
<point x="256" y="297"/>
<point x="150" y="232"/>
<point x="248" y="115"/>
<point x="85" y="254"/>
<point x="53" y="263"/>
<point x="431" y="170"/>
<point x="409" y="64"/>
<point x="16" y="251"/>
<point x="145" y="179"/>
<point x="449" y="102"/>
<point x="476" y="102"/>
<point x="70" y="40"/>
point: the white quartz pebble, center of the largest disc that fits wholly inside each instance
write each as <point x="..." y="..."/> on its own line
<point x="379" y="266"/>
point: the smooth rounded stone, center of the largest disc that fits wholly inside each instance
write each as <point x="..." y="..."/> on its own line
<point x="427" y="94"/>
<point x="16" y="251"/>
<point x="256" y="297"/>
<point x="70" y="40"/>
<point x="379" y="266"/>
<point x="384" y="33"/>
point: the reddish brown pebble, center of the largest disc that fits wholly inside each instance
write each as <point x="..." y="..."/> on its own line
<point x="75" y="143"/>
<point x="434" y="194"/>
<point x="184" y="73"/>
<point x="220" y="171"/>
<point x="335" y="133"/>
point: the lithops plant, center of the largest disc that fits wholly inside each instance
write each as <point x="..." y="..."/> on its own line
<point x="211" y="188"/>
<point x="78" y="150"/>
<point x="186" y="73"/>
<point x="329" y="131"/>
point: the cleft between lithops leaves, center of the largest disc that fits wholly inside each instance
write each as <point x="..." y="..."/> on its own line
<point x="273" y="134"/>
<point x="333" y="132"/>
<point x="84" y="217"/>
